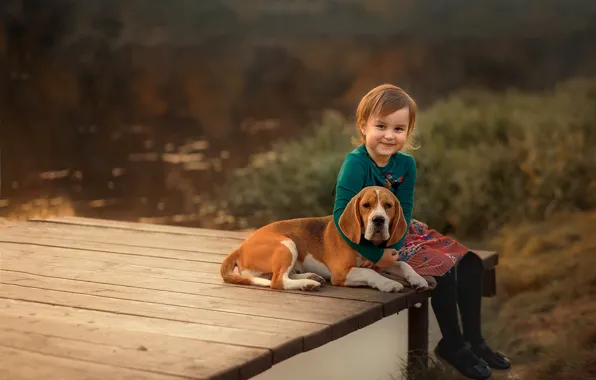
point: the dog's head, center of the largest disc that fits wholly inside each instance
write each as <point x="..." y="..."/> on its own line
<point x="376" y="211"/>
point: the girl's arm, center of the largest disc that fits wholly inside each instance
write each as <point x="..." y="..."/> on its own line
<point x="350" y="181"/>
<point x="405" y="195"/>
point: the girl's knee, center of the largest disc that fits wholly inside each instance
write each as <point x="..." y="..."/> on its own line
<point x="447" y="278"/>
<point x="471" y="263"/>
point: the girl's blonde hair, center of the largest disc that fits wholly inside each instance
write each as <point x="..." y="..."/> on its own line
<point x="382" y="101"/>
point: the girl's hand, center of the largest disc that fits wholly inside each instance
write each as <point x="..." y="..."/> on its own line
<point x="368" y="264"/>
<point x="389" y="258"/>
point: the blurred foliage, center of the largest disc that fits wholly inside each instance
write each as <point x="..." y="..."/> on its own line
<point x="295" y="179"/>
<point x="486" y="159"/>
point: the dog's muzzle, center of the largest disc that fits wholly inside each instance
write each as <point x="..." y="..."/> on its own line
<point x="378" y="221"/>
<point x="378" y="225"/>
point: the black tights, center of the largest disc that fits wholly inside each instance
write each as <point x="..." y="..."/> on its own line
<point x="461" y="286"/>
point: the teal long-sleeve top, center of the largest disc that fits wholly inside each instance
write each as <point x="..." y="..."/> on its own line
<point x="358" y="171"/>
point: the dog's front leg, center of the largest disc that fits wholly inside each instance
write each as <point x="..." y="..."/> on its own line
<point x="368" y="277"/>
<point x="404" y="270"/>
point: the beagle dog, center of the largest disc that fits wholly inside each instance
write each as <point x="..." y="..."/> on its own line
<point x="304" y="253"/>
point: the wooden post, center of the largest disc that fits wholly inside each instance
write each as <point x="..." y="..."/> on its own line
<point x="489" y="282"/>
<point x="490" y="260"/>
<point x="417" y="339"/>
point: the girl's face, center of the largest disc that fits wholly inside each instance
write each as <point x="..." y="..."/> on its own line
<point x="386" y="135"/>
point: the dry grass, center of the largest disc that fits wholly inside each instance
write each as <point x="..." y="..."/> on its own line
<point x="439" y="371"/>
<point x="543" y="315"/>
<point x="572" y="358"/>
<point x="436" y="371"/>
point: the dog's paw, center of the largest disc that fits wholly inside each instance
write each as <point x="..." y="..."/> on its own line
<point x="417" y="282"/>
<point x="310" y="285"/>
<point x="315" y="277"/>
<point x="390" y="286"/>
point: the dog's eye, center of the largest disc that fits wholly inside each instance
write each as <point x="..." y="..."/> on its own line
<point x="388" y="205"/>
<point x="366" y="205"/>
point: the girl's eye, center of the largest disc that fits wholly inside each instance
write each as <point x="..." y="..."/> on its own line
<point x="381" y="126"/>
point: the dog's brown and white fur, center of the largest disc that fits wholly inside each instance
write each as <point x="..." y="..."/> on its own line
<point x="303" y="253"/>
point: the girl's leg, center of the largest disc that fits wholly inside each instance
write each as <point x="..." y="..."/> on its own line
<point x="444" y="304"/>
<point x="453" y="348"/>
<point x="469" y="296"/>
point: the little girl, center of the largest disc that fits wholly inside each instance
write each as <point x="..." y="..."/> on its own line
<point x="385" y="122"/>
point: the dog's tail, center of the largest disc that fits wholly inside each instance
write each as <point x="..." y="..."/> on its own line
<point x="227" y="270"/>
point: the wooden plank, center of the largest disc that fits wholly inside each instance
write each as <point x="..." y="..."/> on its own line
<point x="25" y="365"/>
<point x="123" y="237"/>
<point x="148" y="227"/>
<point x="490" y="259"/>
<point x="393" y="301"/>
<point x="303" y="300"/>
<point x="15" y="260"/>
<point x="183" y="242"/>
<point x="163" y="319"/>
<point x="110" y="266"/>
<point x="387" y="303"/>
<point x="206" y="270"/>
<point x="225" y="313"/>
<point x="318" y="324"/>
<point x="287" y="305"/>
<point x="414" y="297"/>
<point x="206" y="358"/>
<point x="42" y="268"/>
<point x="124" y="358"/>
<point x="25" y="250"/>
<point x="106" y="246"/>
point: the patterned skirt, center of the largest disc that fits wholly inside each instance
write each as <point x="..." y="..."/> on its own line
<point x="428" y="252"/>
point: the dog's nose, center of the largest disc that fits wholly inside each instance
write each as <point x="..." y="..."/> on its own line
<point x="378" y="220"/>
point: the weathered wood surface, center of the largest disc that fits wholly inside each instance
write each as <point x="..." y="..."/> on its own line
<point x="83" y="298"/>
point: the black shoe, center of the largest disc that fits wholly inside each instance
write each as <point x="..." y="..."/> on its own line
<point x="464" y="361"/>
<point x="495" y="359"/>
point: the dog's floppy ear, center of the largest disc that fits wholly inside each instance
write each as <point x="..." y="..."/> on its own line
<point x="398" y="225"/>
<point x="349" y="221"/>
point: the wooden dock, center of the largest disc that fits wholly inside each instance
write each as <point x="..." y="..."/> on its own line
<point x="95" y="299"/>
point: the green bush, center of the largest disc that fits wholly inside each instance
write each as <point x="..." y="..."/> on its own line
<point x="486" y="159"/>
<point x="295" y="179"/>
<point x="491" y="159"/>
